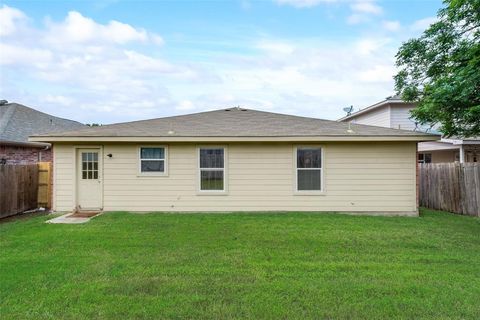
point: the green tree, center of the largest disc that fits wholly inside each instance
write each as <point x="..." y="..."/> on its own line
<point x="440" y="70"/>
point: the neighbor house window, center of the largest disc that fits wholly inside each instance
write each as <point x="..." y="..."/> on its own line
<point x="309" y="169"/>
<point x="424" y="158"/>
<point x="212" y="169"/>
<point x="152" y="160"/>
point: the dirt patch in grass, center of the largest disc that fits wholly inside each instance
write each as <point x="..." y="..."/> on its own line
<point x="84" y="214"/>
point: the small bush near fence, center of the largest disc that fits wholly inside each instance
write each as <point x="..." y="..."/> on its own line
<point x="453" y="187"/>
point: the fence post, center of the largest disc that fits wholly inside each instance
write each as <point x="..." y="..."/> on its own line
<point x="44" y="181"/>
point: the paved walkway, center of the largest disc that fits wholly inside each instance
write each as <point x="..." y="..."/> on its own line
<point x="70" y="220"/>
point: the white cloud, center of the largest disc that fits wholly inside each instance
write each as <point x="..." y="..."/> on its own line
<point x="10" y="18"/>
<point x="363" y="11"/>
<point x="303" y="3"/>
<point x="79" y="29"/>
<point x="357" y="18"/>
<point x="369" y="46"/>
<point x="275" y="47"/>
<point x="391" y="25"/>
<point x="423" y="24"/>
<point x="185" y="105"/>
<point x="378" y="73"/>
<point x="57" y="99"/>
<point x="17" y="55"/>
<point x="368" y="7"/>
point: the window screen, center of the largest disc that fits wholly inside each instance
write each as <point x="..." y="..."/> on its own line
<point x="309" y="169"/>
<point x="212" y="169"/>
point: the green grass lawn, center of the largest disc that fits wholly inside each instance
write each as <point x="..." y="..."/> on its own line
<point x="288" y="266"/>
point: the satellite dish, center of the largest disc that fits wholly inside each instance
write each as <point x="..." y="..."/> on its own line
<point x="348" y="110"/>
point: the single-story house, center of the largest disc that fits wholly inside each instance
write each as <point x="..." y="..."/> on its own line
<point x="236" y="160"/>
<point x="17" y="122"/>
<point x="393" y="112"/>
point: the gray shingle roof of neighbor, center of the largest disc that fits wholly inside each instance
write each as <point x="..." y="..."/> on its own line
<point x="235" y="122"/>
<point x="18" y="122"/>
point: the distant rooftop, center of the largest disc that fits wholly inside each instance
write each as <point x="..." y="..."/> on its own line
<point x="388" y="100"/>
<point x="18" y="122"/>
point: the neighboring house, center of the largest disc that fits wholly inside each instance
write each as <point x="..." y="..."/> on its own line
<point x="393" y="112"/>
<point x="236" y="160"/>
<point x="17" y="122"/>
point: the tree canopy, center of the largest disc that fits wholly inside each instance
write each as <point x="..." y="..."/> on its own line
<point x="440" y="70"/>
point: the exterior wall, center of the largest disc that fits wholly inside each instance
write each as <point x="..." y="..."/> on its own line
<point x="24" y="155"/>
<point x="400" y="118"/>
<point x="358" y="177"/>
<point x="379" y="117"/>
<point x="444" y="156"/>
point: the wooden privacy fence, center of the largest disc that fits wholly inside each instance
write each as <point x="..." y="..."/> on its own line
<point x="453" y="187"/>
<point x="24" y="187"/>
<point x="18" y="188"/>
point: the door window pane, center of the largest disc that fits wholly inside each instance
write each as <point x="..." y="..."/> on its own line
<point x="89" y="165"/>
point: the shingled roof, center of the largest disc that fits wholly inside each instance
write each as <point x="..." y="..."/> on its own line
<point x="228" y="123"/>
<point x="18" y="122"/>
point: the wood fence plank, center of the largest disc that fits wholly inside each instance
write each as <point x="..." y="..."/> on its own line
<point x="453" y="187"/>
<point x="44" y="181"/>
<point x="18" y="188"/>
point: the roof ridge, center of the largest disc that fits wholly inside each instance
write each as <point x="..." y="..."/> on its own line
<point x="17" y="105"/>
<point x="212" y="111"/>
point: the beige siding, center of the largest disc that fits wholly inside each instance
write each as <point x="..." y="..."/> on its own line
<point x="400" y="117"/>
<point x="379" y="117"/>
<point x="374" y="177"/>
<point x="64" y="177"/>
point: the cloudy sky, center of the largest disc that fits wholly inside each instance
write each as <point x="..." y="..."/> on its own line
<point x="111" y="61"/>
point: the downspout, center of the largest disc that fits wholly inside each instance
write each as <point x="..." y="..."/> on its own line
<point x="40" y="153"/>
<point x="462" y="154"/>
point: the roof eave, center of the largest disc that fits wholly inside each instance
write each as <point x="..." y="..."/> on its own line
<point x="31" y="143"/>
<point x="418" y="138"/>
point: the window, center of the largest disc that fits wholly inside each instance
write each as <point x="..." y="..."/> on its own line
<point x="152" y="160"/>
<point x="424" y="158"/>
<point x="309" y="169"/>
<point x="212" y="169"/>
<point x="89" y="165"/>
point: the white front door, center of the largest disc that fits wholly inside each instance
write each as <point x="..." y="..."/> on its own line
<point x="89" y="179"/>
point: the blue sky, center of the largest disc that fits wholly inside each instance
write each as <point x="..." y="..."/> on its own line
<point x="112" y="61"/>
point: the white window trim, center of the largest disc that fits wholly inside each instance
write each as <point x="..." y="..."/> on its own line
<point x="225" y="171"/>
<point x="152" y="174"/>
<point x="322" y="171"/>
